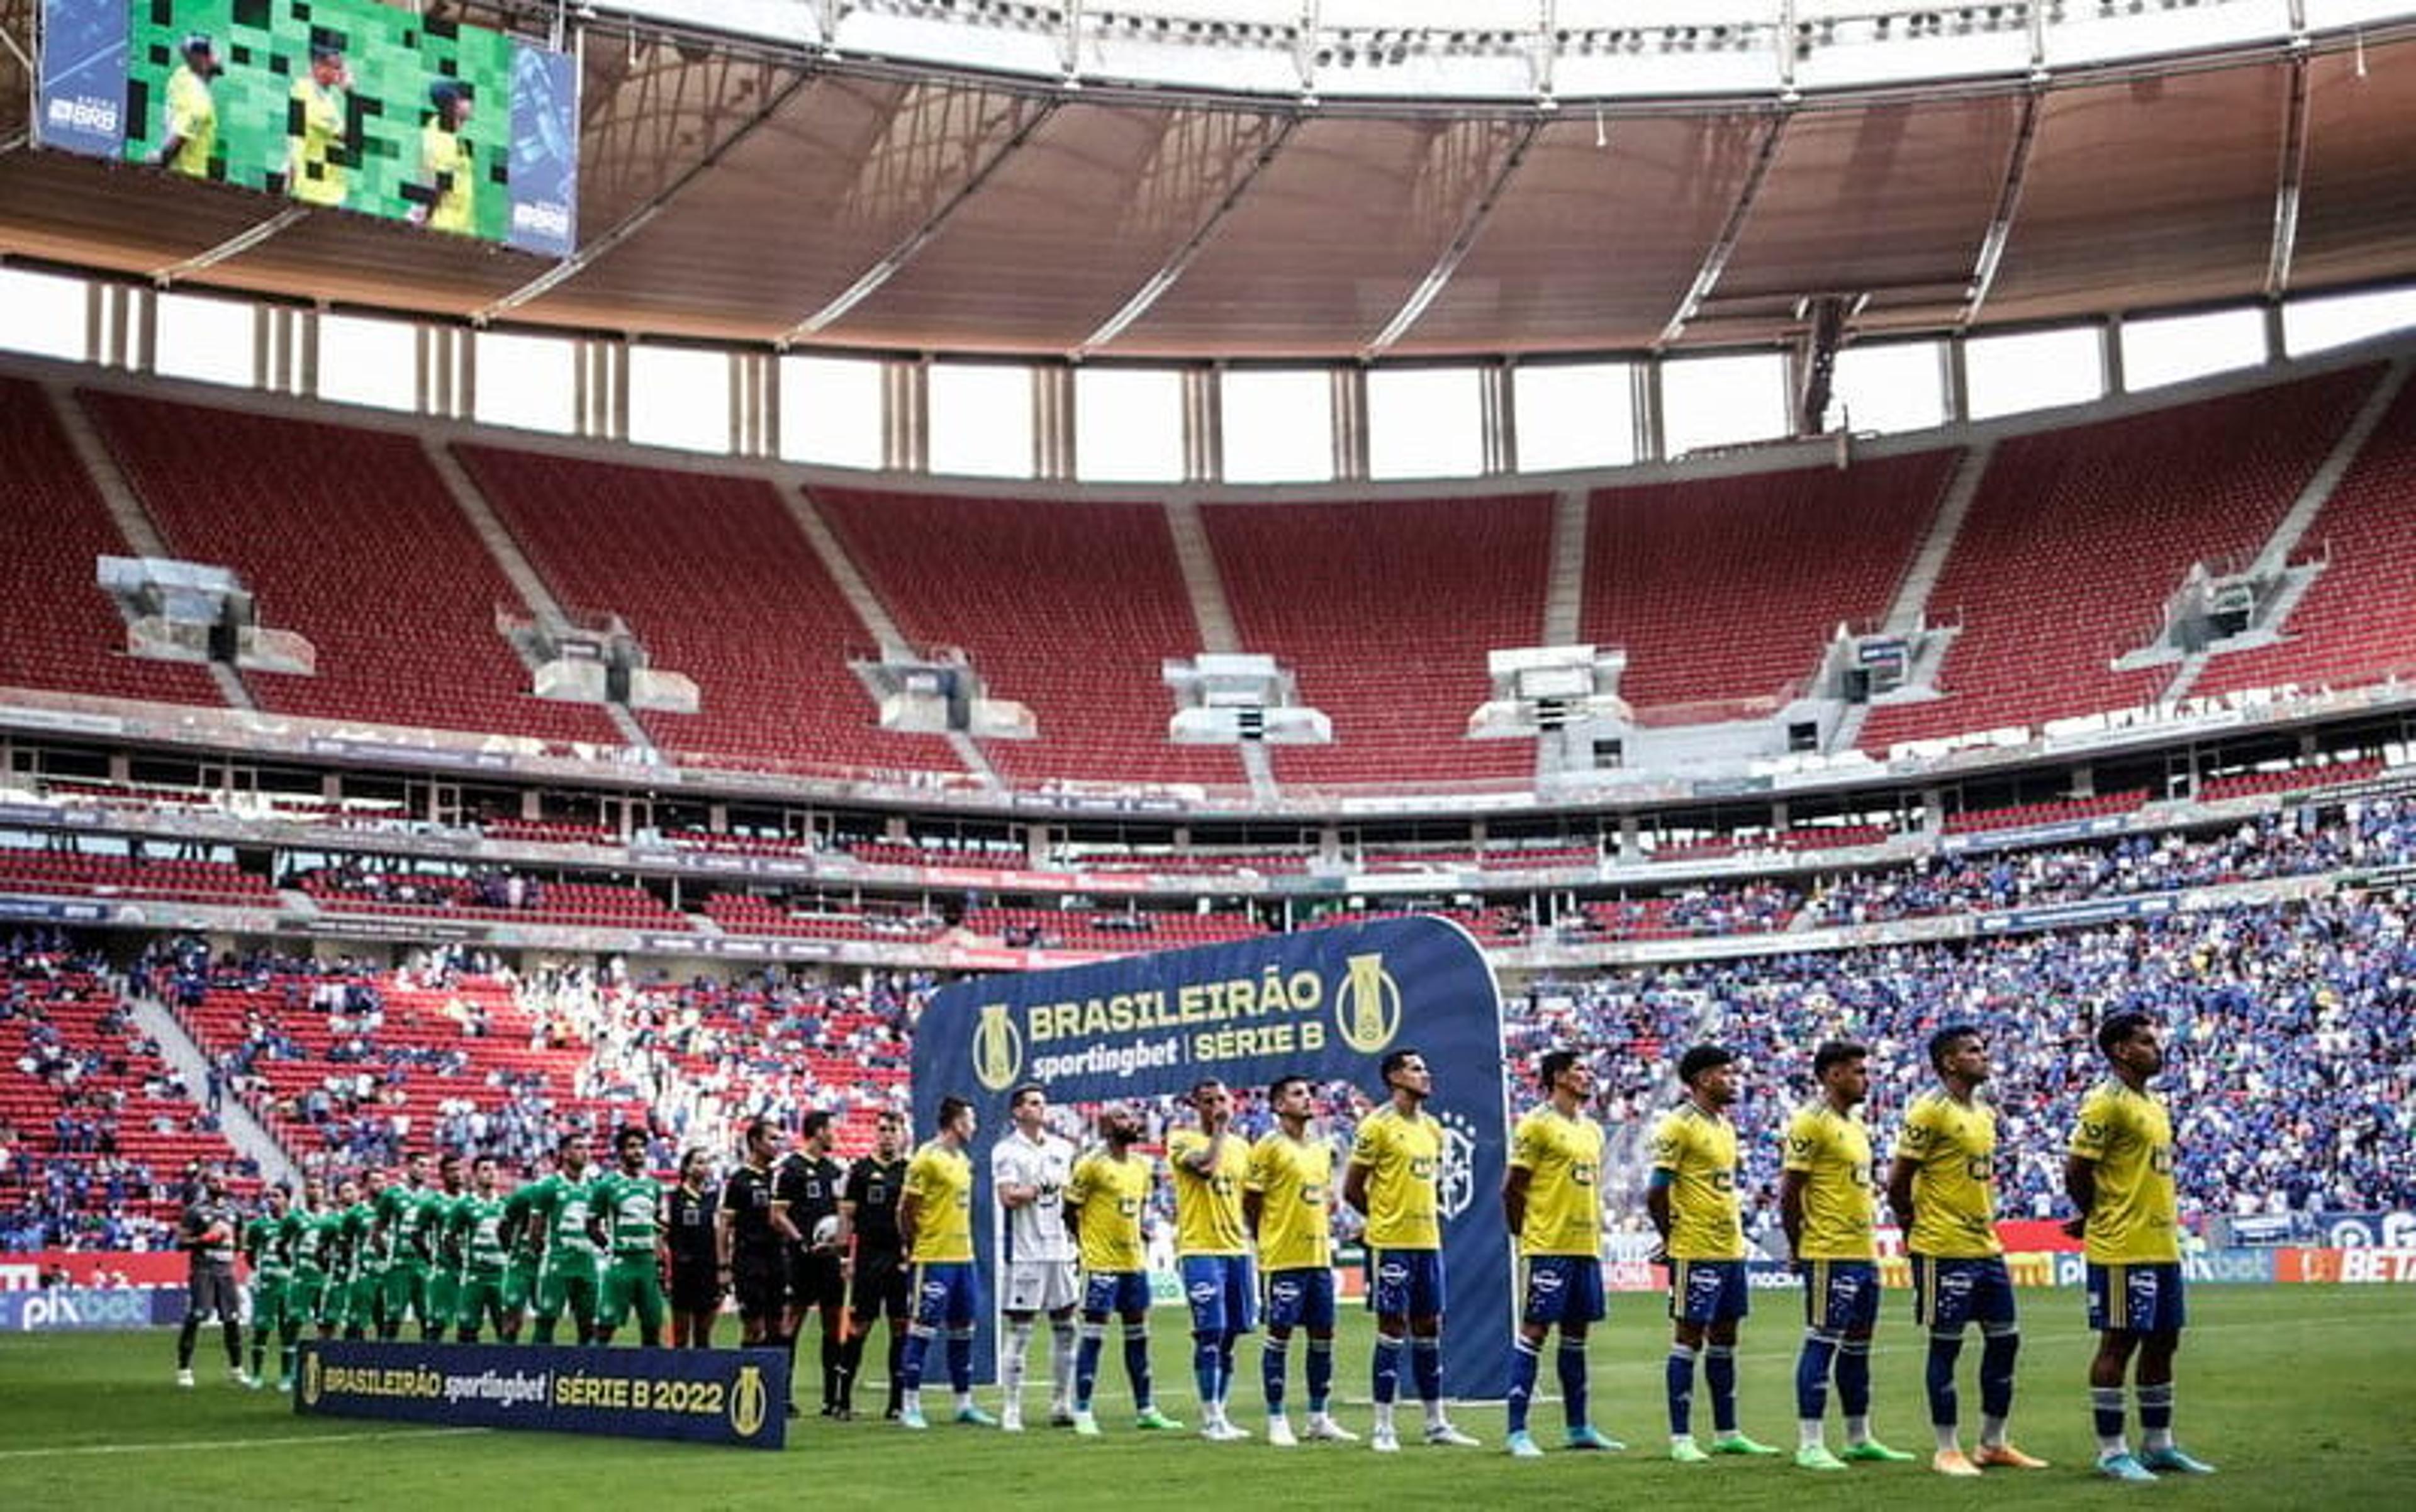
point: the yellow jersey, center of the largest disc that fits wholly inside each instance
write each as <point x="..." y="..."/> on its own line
<point x="193" y="118"/>
<point x="445" y="159"/>
<point x="1562" y="1159"/>
<point x="1404" y="1161"/>
<point x="1208" y="1209"/>
<point x="1294" y="1180"/>
<point x="2129" y="1137"/>
<point x="1699" y="1150"/>
<point x="1831" y="1151"/>
<point x="314" y="126"/>
<point x="941" y="1181"/>
<point x="1953" y="1145"/>
<point x="1109" y="1196"/>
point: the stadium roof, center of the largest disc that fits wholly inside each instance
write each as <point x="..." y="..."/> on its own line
<point x="751" y="191"/>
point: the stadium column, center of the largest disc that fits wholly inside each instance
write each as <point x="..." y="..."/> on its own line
<point x="906" y="415"/>
<point x="1956" y="356"/>
<point x="1645" y="394"/>
<point x="1052" y="420"/>
<point x="2109" y="353"/>
<point x="1350" y="397"/>
<point x="1498" y="410"/>
<point x="1203" y="425"/>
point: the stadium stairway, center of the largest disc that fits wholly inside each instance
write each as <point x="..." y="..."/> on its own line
<point x="472" y="501"/>
<point x="1912" y="600"/>
<point x="249" y="1138"/>
<point x="1564" y="591"/>
<point x="1213" y="614"/>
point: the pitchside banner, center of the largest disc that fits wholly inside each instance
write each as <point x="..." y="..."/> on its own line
<point x="734" y="1396"/>
<point x="1325" y="1004"/>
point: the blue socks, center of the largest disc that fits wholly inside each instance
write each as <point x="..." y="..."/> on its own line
<point x="1573" y="1380"/>
<point x="1681" y="1383"/>
<point x="1425" y="1365"/>
<point x="1719" y="1373"/>
<point x="918" y="1340"/>
<point x="1387" y="1383"/>
<point x="1320" y="1373"/>
<point x="960" y="1360"/>
<point x="1207" y="1368"/>
<point x="1944" y="1350"/>
<point x="1137" y="1363"/>
<point x="1812" y="1376"/>
<point x="1523" y="1361"/>
<point x="1998" y="1350"/>
<point x="1086" y="1364"/>
<point x="1854" y="1377"/>
<point x="1271" y="1373"/>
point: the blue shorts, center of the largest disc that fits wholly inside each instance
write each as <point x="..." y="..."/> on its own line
<point x="1408" y="1282"/>
<point x="2136" y="1299"/>
<point x="1708" y="1291"/>
<point x="1841" y="1296"/>
<point x="1560" y="1289"/>
<point x="1223" y="1293"/>
<point x="947" y="1294"/>
<point x="1119" y="1292"/>
<point x="1301" y="1299"/>
<point x="1949" y="1294"/>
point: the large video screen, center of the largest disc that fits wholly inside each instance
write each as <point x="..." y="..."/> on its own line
<point x="336" y="104"/>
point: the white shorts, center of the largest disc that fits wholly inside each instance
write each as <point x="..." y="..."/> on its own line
<point x="1040" y="1285"/>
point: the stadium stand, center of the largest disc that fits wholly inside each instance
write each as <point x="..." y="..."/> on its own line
<point x="813" y="920"/>
<point x="491" y="895"/>
<point x="2018" y="816"/>
<point x="2079" y="535"/>
<point x="57" y="629"/>
<point x="1067" y="607"/>
<point x="1726" y="591"/>
<point x="719" y="584"/>
<point x="309" y="514"/>
<point x="1052" y="928"/>
<point x="1386" y="611"/>
<point x="79" y="874"/>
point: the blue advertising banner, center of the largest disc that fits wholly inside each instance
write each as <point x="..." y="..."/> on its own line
<point x="720" y="1396"/>
<point x="84" y="76"/>
<point x="90" y="1309"/>
<point x="1325" y="1004"/>
<point x="545" y="152"/>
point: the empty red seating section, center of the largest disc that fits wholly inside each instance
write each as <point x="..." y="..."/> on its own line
<point x="719" y="584"/>
<point x="548" y="831"/>
<point x="1972" y="821"/>
<point x="1386" y="610"/>
<point x="57" y="629"/>
<point x="349" y="536"/>
<point x="2078" y="536"/>
<point x="115" y="876"/>
<point x="741" y="914"/>
<point x="1125" y="934"/>
<point x="1729" y="588"/>
<point x="2288" y="779"/>
<point x="1069" y="608"/>
<point x="568" y="904"/>
<point x="2357" y="622"/>
<point x="907" y="854"/>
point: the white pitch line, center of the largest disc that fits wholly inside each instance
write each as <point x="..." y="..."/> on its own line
<point x="232" y="1443"/>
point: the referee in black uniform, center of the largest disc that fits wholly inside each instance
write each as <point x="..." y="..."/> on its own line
<point x="808" y="1182"/>
<point x="883" y="1281"/>
<point x="753" y="1231"/>
<point x="696" y="1262"/>
<point x="208" y="1236"/>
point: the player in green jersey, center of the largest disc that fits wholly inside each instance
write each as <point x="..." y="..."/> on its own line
<point x="625" y="1219"/>
<point x="314" y="1241"/>
<point x="364" y="1274"/>
<point x="263" y="1248"/>
<point x="559" y="1205"/>
<point x="524" y="1241"/>
<point x="444" y="1261"/>
<point x="474" y="1232"/>
<point x="407" y="1220"/>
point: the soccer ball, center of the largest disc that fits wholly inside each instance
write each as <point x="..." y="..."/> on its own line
<point x="825" y="1231"/>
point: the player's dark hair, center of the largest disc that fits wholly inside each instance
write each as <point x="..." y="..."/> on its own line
<point x="891" y="1116"/>
<point x="759" y="1127"/>
<point x="1837" y="1053"/>
<point x="569" y="1135"/>
<point x="692" y="1154"/>
<point x="952" y="1108"/>
<point x="1023" y="1088"/>
<point x="451" y="1157"/>
<point x="626" y="1132"/>
<point x="1203" y="1084"/>
<point x="1548" y="1069"/>
<point x="1277" y="1088"/>
<point x="814" y="1123"/>
<point x="482" y="1159"/>
<point x="1393" y="1061"/>
<point x="1702" y="1058"/>
<point x="1943" y="1042"/>
<point x="2119" y="1027"/>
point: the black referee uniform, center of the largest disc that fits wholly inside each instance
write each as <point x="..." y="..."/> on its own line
<point x="695" y="1284"/>
<point x="809" y="1184"/>
<point x="757" y="1264"/>
<point x="883" y="1281"/>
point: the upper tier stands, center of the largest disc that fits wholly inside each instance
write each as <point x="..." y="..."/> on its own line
<point x="117" y="876"/>
<point x="1728" y="589"/>
<point x="57" y="628"/>
<point x="1068" y="608"/>
<point x="2078" y="536"/>
<point x="568" y="904"/>
<point x="1386" y="610"/>
<point x="2357" y="622"/>
<point x="349" y="536"/>
<point x="1123" y="933"/>
<point x="719" y="584"/>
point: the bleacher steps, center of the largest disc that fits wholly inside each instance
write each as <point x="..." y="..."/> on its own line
<point x="1565" y="589"/>
<point x="248" y="1136"/>
<point x="1912" y="600"/>
<point x="1198" y="560"/>
<point x="843" y="571"/>
<point x="2301" y="516"/>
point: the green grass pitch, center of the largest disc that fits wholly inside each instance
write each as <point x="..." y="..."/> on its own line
<point x="2304" y="1396"/>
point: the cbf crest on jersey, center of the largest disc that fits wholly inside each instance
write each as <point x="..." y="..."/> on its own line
<point x="1329" y="1005"/>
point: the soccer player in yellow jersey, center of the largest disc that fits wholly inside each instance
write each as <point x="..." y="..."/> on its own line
<point x="1826" y="1203"/>
<point x="1288" y="1201"/>
<point x="1396" y="1166"/>
<point x="935" y="1222"/>
<point x="1551" y="1201"/>
<point x="1942" y="1188"/>
<point x="2120" y="1174"/>
<point x="192" y="111"/>
<point x="447" y="198"/>
<point x="1212" y="1251"/>
<point x="1693" y="1204"/>
<point x="315" y="135"/>
<point x="1104" y="1203"/>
